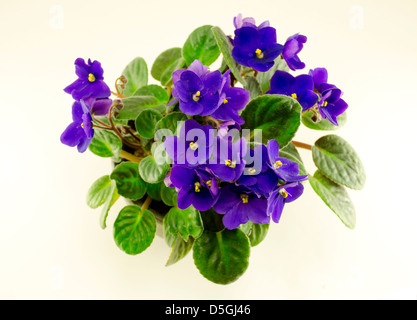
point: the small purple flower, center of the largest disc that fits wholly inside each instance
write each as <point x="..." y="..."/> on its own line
<point x="285" y="169"/>
<point x="292" y="47"/>
<point x="228" y="163"/>
<point x="284" y="194"/>
<point x="80" y="132"/>
<point x="330" y="104"/>
<point x="99" y="106"/>
<point x="193" y="147"/>
<point x="197" y="89"/>
<point x="231" y="101"/>
<point x="90" y="81"/>
<point x="240" y="22"/>
<point x="256" y="48"/>
<point x="300" y="88"/>
<point x="239" y="205"/>
<point x="196" y="187"/>
<point x="258" y="175"/>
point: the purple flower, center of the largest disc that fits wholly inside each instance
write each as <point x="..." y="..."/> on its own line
<point x="258" y="175"/>
<point x="231" y="101"/>
<point x="228" y="161"/>
<point x="90" y="81"/>
<point x="226" y="127"/>
<point x="197" y="187"/>
<point x="330" y="104"/>
<point x="239" y="205"/>
<point x="256" y="48"/>
<point x="193" y="147"/>
<point x="285" y="169"/>
<point x="80" y="132"/>
<point x="284" y="194"/>
<point x="300" y="88"/>
<point x="292" y="47"/>
<point x="197" y="89"/>
<point x="240" y="22"/>
<point x="99" y="106"/>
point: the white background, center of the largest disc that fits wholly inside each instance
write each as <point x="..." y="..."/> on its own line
<point x="51" y="245"/>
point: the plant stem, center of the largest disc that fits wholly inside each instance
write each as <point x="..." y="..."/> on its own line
<point x="302" y="145"/>
<point x="146" y="203"/>
<point x="130" y="157"/>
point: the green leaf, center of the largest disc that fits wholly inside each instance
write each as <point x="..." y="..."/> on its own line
<point x="180" y="249"/>
<point x="252" y="85"/>
<point x="201" y="45"/>
<point x="335" y="197"/>
<point x="164" y="61"/>
<point x="212" y="221"/>
<point x="226" y="50"/>
<point x="114" y="195"/>
<point x="169" y="196"/>
<point x="323" y="124"/>
<point x="151" y="171"/>
<point x="134" y="229"/>
<point x="153" y="90"/>
<point x="277" y="116"/>
<point x="132" y="106"/>
<point x="154" y="190"/>
<point x="168" y="125"/>
<point x="264" y="78"/>
<point x="99" y="191"/>
<point x="136" y="73"/>
<point x="290" y="152"/>
<point x="185" y="223"/>
<point x="166" y="77"/>
<point x="222" y="257"/>
<point x="256" y="232"/>
<point x="339" y="161"/>
<point x="129" y="183"/>
<point x="146" y="121"/>
<point x="105" y="144"/>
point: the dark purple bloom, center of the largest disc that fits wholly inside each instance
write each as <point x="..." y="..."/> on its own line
<point x="99" y="107"/>
<point x="284" y="194"/>
<point x="228" y="163"/>
<point x="292" y="47"/>
<point x="240" y="22"/>
<point x="197" y="89"/>
<point x="256" y="48"/>
<point x="330" y="104"/>
<point x="80" y="132"/>
<point x="300" y="88"/>
<point x="285" y="169"/>
<point x="231" y="101"/>
<point x="196" y="187"/>
<point x="193" y="147"/>
<point x="258" y="175"/>
<point x="90" y="81"/>
<point x="239" y="205"/>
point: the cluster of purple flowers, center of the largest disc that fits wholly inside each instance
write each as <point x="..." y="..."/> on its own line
<point x="205" y="93"/>
<point x="240" y="183"/>
<point x="257" y="47"/>
<point x="91" y="95"/>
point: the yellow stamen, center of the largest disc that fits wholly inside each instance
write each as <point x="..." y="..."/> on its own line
<point x="225" y="101"/>
<point x="252" y="171"/>
<point x="283" y="193"/>
<point x="82" y="125"/>
<point x="324" y="104"/>
<point x="208" y="183"/>
<point x="197" y="186"/>
<point x="277" y="164"/>
<point x="294" y="96"/>
<point x="196" y="96"/>
<point x="193" y="146"/>
<point x="259" y="53"/>
<point x="91" y="77"/>
<point x="245" y="198"/>
<point x="230" y="163"/>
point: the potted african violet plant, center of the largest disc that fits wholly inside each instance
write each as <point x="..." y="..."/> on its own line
<point x="208" y="154"/>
